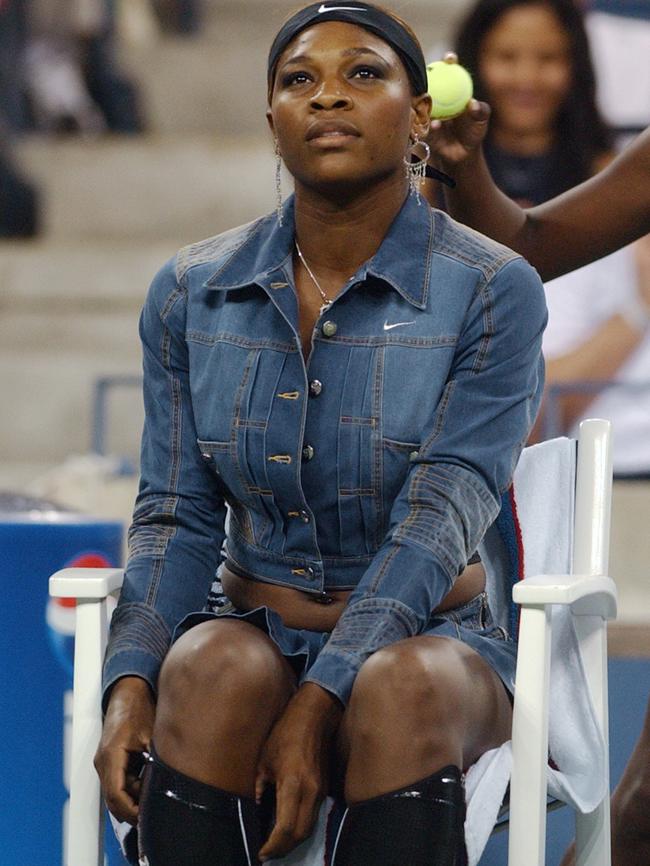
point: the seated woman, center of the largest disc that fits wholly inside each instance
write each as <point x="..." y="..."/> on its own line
<point x="355" y="376"/>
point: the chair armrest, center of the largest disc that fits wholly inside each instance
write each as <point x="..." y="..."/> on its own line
<point x="86" y="582"/>
<point x="587" y="595"/>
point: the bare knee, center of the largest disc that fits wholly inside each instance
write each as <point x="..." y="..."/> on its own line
<point x="417" y="679"/>
<point x="229" y="659"/>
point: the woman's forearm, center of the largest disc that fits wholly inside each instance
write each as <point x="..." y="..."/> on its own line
<point x="587" y="222"/>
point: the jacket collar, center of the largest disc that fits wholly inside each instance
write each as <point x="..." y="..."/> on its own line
<point x="403" y="260"/>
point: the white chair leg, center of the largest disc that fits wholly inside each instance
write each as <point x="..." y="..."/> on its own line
<point x="593" y="833"/>
<point x="85" y="828"/>
<point x="527" y="837"/>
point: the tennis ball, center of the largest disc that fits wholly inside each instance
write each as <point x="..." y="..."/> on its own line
<point x="450" y="88"/>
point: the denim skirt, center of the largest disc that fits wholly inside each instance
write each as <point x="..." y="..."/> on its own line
<point x="470" y="623"/>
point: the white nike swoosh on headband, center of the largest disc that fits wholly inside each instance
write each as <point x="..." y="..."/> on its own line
<point x="387" y="327"/>
<point x="324" y="8"/>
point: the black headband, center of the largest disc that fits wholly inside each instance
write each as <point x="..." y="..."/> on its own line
<point x="368" y="17"/>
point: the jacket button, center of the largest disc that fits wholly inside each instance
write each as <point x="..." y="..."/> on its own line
<point x="315" y="387"/>
<point x="304" y="517"/>
<point x="329" y="328"/>
<point x="413" y="455"/>
<point x="311" y="574"/>
<point x="307" y="452"/>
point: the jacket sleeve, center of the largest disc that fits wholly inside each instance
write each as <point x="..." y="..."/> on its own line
<point x="452" y="492"/>
<point x="178" y="522"/>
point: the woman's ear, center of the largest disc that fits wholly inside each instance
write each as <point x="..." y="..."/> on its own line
<point x="269" y="120"/>
<point x="421" y="116"/>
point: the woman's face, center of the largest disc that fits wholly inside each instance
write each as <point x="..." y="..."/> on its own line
<point x="342" y="108"/>
<point x="526" y="68"/>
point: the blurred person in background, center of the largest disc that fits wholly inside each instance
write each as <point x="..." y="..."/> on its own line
<point x="19" y="203"/>
<point x="619" y="35"/>
<point x="72" y="79"/>
<point x="178" y="16"/>
<point x="530" y="61"/>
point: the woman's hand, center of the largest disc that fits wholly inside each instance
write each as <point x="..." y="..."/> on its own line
<point x="295" y="759"/>
<point x="127" y="733"/>
<point x="456" y="141"/>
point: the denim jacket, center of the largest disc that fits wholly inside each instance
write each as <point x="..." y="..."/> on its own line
<point x="377" y="466"/>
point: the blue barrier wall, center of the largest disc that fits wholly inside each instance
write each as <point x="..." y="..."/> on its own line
<point x="36" y="672"/>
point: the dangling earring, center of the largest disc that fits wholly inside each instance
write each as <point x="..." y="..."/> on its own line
<point x="278" y="183"/>
<point x="416" y="171"/>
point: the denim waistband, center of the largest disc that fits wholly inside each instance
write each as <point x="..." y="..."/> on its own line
<point x="308" y="575"/>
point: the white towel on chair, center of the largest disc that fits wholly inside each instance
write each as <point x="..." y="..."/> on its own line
<point x="543" y="493"/>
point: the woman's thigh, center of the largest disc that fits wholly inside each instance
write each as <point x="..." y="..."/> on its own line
<point x="417" y="706"/>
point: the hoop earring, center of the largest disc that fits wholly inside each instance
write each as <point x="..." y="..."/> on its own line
<point x="278" y="183"/>
<point x="416" y="170"/>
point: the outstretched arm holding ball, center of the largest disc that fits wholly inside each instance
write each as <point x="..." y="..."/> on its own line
<point x="583" y="224"/>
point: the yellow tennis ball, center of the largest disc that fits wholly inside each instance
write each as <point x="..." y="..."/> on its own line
<point x="450" y="88"/>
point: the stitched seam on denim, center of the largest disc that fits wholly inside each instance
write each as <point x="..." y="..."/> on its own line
<point x="457" y="474"/>
<point x="488" y="327"/>
<point x="410" y="528"/>
<point x="255" y="227"/>
<point x="396" y="445"/>
<point x="248" y="422"/>
<point x="439" y="418"/>
<point x="152" y="541"/>
<point x="329" y="687"/>
<point x="174" y="443"/>
<point x="263" y="577"/>
<point x="281" y="559"/>
<point x="427" y="273"/>
<point x="383" y="568"/>
<point x="378" y="460"/>
<point x="205" y="251"/>
<point x="441" y="500"/>
<point x="357" y="491"/>
<point x="433" y="547"/>
<point x="443" y="341"/>
<point x="213" y="444"/>
<point x="134" y="622"/>
<point x="362" y="422"/>
<point x="234" y="439"/>
<point x="263" y="517"/>
<point x="177" y="293"/>
<point x="401" y="618"/>
<point x="194" y="336"/>
<point x="426" y="475"/>
<point x="471" y="248"/>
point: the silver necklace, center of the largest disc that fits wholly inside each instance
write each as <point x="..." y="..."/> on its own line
<point x="327" y="301"/>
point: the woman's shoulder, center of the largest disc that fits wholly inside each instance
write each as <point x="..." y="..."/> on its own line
<point x="214" y="251"/>
<point x="171" y="285"/>
<point x="469" y="248"/>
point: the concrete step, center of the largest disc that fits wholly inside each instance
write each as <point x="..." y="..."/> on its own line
<point x="143" y="189"/>
<point x="68" y="314"/>
<point x="216" y="79"/>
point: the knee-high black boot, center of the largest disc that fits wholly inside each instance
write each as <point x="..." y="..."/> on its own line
<point x="188" y="823"/>
<point x="420" y="825"/>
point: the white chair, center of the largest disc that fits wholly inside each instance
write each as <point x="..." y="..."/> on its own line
<point x="587" y="591"/>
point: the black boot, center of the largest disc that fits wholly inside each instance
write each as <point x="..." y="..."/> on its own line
<point x="188" y="823"/>
<point x="420" y="825"/>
